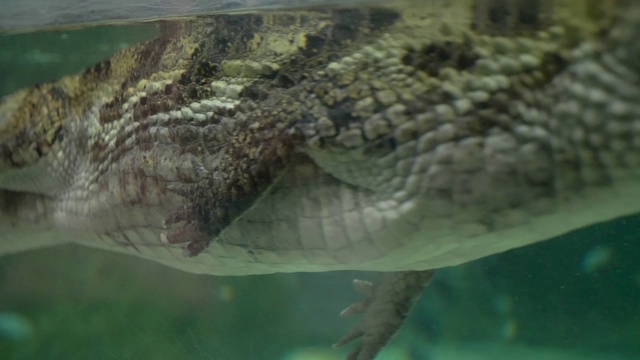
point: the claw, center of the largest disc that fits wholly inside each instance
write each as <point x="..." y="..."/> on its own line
<point x="196" y="237"/>
<point x="193" y="232"/>
<point x="364" y="287"/>
<point x="184" y="234"/>
<point x="367" y="289"/>
<point x="385" y="308"/>
<point x="357" y="308"/>
<point x="194" y="248"/>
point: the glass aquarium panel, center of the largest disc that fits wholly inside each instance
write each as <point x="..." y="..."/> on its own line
<point x="563" y="74"/>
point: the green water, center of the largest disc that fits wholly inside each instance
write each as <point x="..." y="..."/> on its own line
<point x="577" y="296"/>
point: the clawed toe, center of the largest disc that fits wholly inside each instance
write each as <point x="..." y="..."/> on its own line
<point x="385" y="307"/>
<point x="193" y="234"/>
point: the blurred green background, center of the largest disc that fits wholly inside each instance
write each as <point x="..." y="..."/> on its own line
<point x="578" y="294"/>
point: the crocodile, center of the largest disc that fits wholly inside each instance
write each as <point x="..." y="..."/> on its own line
<point x="398" y="138"/>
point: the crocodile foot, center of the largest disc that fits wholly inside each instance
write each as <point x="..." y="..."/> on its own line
<point x="194" y="234"/>
<point x="385" y="307"/>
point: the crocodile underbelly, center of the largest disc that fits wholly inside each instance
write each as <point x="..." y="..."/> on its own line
<point x="309" y="221"/>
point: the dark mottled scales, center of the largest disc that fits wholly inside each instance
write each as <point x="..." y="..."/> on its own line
<point x="434" y="56"/>
<point x="400" y="138"/>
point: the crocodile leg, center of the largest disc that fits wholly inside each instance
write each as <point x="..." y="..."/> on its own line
<point x="385" y="307"/>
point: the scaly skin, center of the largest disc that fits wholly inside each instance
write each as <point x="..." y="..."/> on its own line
<point x="404" y="138"/>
